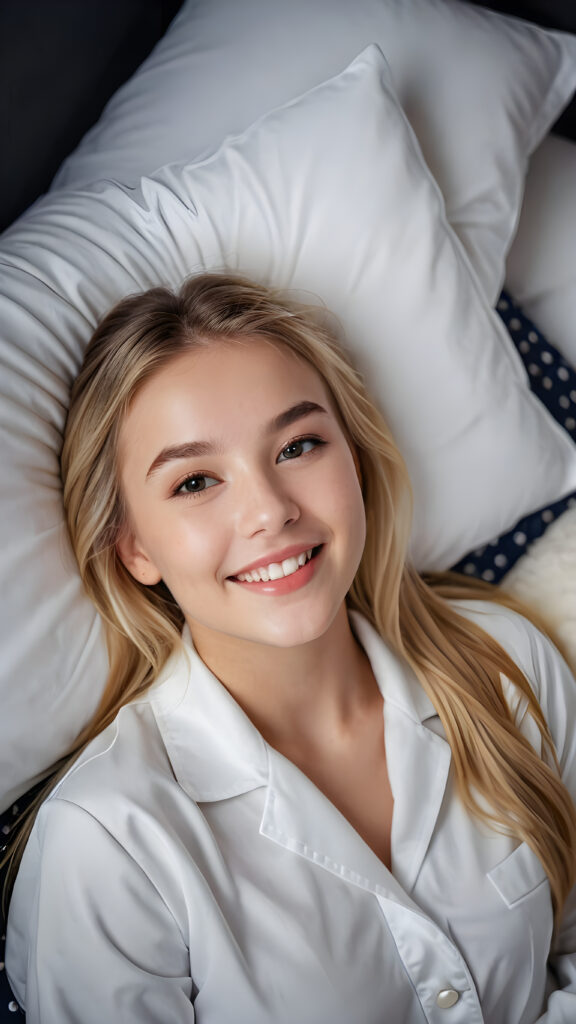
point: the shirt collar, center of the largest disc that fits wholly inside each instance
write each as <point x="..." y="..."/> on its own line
<point x="397" y="682"/>
<point x="216" y="752"/>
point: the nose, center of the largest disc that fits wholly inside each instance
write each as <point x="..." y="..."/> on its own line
<point x="265" y="505"/>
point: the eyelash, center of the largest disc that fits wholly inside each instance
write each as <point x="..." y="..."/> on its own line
<point x="179" y="493"/>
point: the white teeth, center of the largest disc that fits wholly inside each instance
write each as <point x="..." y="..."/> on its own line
<point x="276" y="570"/>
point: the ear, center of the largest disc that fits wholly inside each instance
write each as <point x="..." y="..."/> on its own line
<point x="135" y="559"/>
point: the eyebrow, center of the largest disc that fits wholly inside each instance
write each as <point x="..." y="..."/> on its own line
<point x="198" y="449"/>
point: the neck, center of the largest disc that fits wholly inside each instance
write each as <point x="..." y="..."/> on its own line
<point x="299" y="696"/>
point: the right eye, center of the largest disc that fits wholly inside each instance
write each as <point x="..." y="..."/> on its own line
<point x="195" y="484"/>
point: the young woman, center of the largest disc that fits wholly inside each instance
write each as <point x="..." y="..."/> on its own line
<point x="318" y="789"/>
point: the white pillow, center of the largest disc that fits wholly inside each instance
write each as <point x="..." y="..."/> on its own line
<point x="541" y="266"/>
<point x="480" y="90"/>
<point x="329" y="195"/>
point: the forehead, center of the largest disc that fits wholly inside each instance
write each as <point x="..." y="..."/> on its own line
<point x="218" y="387"/>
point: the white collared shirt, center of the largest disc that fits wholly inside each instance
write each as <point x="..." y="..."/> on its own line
<point x="184" y="870"/>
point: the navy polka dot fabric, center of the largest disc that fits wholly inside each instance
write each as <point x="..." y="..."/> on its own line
<point x="553" y="380"/>
<point x="9" y="1009"/>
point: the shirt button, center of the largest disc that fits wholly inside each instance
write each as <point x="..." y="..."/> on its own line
<point x="447" y="997"/>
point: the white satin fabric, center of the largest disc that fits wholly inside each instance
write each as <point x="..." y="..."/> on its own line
<point x="186" y="871"/>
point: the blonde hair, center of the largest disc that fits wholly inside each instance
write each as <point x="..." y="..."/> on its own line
<point x="500" y="777"/>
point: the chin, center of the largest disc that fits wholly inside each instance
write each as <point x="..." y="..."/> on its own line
<point x="288" y="634"/>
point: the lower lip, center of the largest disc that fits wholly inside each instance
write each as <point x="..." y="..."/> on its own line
<point x="286" y="584"/>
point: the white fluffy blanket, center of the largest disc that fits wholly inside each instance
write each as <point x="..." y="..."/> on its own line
<point x="545" y="579"/>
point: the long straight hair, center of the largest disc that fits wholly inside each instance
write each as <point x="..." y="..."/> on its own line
<point x="500" y="777"/>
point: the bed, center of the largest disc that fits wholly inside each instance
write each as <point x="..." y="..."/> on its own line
<point x="383" y="173"/>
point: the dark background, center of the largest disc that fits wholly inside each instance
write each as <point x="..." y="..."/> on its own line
<point x="61" y="60"/>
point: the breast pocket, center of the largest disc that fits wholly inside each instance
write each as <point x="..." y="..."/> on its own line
<point x="522" y="884"/>
<point x="519" y="876"/>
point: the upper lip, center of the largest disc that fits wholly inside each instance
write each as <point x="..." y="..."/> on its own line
<point x="275" y="556"/>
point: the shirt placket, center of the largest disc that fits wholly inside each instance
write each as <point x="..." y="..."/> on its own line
<point x="298" y="817"/>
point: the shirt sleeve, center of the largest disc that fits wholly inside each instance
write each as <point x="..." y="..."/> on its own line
<point x="557" y="696"/>
<point x="101" y="944"/>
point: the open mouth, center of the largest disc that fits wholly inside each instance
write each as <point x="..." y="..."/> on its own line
<point x="278" y="570"/>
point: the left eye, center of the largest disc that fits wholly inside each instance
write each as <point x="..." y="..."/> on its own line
<point x="297" y="448"/>
<point x="195" y="484"/>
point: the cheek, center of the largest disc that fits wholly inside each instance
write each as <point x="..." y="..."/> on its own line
<point x="195" y="548"/>
<point x="186" y="547"/>
<point x="344" y="496"/>
<point x="357" y="513"/>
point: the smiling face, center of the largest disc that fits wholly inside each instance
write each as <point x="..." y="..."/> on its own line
<point x="242" y="494"/>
